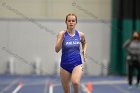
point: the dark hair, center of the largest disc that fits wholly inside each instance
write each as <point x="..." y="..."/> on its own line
<point x="71" y="14"/>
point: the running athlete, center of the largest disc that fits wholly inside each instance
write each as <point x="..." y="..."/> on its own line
<point x="71" y="62"/>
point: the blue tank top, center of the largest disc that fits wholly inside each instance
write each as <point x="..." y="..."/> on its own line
<point x="71" y="49"/>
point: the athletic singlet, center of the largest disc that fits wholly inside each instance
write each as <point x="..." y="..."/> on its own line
<point x="71" y="52"/>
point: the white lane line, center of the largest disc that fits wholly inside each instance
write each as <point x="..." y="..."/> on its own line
<point x="84" y="89"/>
<point x="20" y="85"/>
<point x="10" y="85"/>
<point x="121" y="89"/>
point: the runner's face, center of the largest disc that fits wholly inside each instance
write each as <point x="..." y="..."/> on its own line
<point x="71" y="22"/>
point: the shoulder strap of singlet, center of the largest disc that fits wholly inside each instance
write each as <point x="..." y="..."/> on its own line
<point x="77" y="33"/>
<point x="66" y="33"/>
